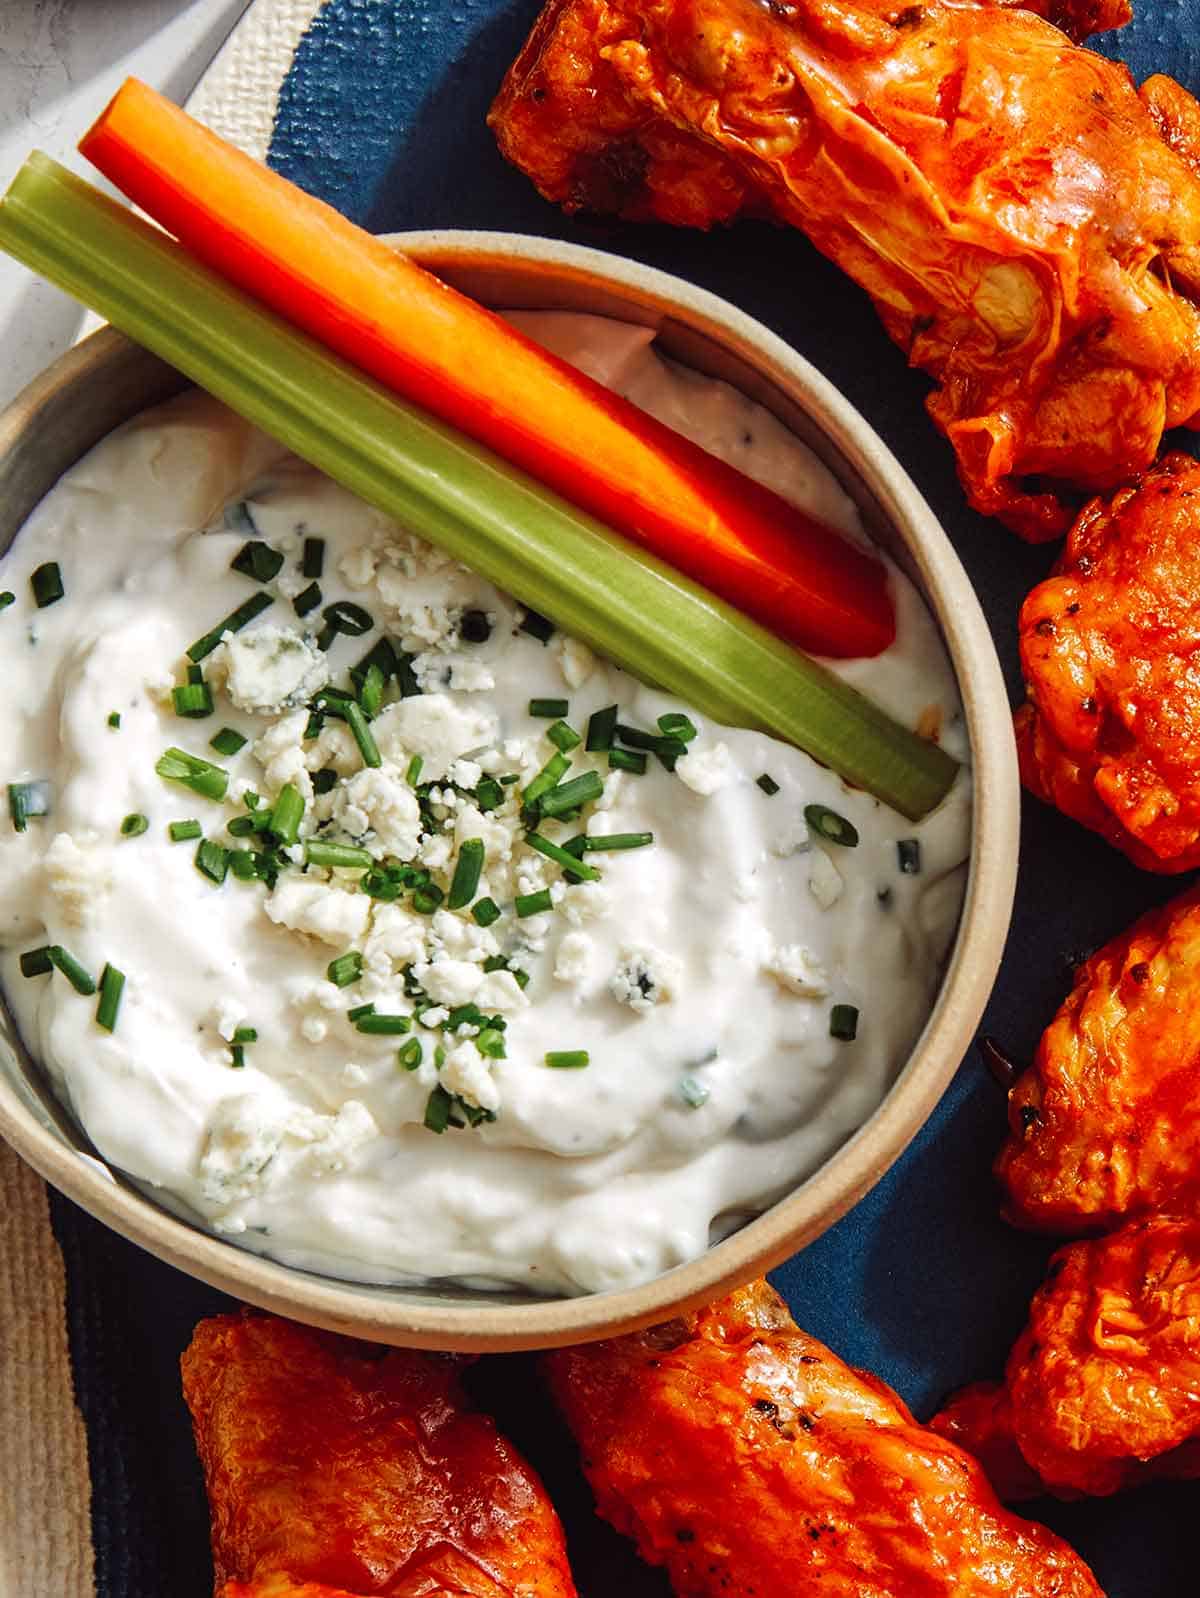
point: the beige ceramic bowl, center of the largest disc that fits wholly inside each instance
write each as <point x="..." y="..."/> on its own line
<point x="106" y="379"/>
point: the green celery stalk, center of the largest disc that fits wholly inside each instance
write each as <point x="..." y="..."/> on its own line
<point x="453" y="492"/>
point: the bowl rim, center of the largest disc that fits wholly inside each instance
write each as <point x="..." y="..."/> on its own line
<point x="392" y="1315"/>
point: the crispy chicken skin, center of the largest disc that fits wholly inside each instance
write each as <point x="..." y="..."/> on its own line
<point x="1102" y="1389"/>
<point x="1106" y="1123"/>
<point x="337" y="1469"/>
<point x="1027" y="224"/>
<point x="747" y="1459"/>
<point x="1111" y="733"/>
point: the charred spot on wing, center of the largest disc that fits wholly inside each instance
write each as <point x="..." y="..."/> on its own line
<point x="611" y="179"/>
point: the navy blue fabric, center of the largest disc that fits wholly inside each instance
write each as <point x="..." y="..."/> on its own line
<point x="382" y="115"/>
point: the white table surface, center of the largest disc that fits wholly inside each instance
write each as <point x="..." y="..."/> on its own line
<point x="60" y="63"/>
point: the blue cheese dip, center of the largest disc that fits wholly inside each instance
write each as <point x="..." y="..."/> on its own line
<point x="371" y="1023"/>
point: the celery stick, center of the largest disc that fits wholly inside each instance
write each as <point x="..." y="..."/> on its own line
<point x="626" y="604"/>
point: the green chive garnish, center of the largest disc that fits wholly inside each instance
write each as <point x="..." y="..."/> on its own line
<point x="201" y="776"/>
<point x="597" y="842"/>
<point x="768" y="784"/>
<point x="549" y="708"/>
<point x="843" y="1022"/>
<point x="627" y="760"/>
<point x="27" y="799"/>
<point x="601" y="727"/>
<point x="114" y="719"/>
<point x="134" y="825"/>
<point x="257" y="560"/>
<point x="437" y="1110"/>
<point x="286" y="814"/>
<point x="693" y="1093"/>
<point x="467" y="872"/>
<point x="346" y="969"/>
<point x="112" y="985"/>
<point x="567" y="1059"/>
<point x="324" y="780"/>
<point x="313" y="563"/>
<point x="228" y="742"/>
<point x="7" y="598"/>
<point x="563" y="736"/>
<point x="71" y="969"/>
<point x="636" y="738"/>
<point x="486" y="911"/>
<point x="346" y="855"/>
<point x="243" y="864"/>
<point x="548" y="777"/>
<point x="343" y="617"/>
<point x="534" y="904"/>
<point x="381" y="654"/>
<point x="363" y="736"/>
<point x="370" y="695"/>
<point x="427" y="899"/>
<point x="359" y="1011"/>
<point x="831" y="826"/>
<point x="413" y="775"/>
<point x="908" y="855"/>
<point x="212" y="861"/>
<point x="676" y="725"/>
<point x="410" y="1054"/>
<point x="384" y="1026"/>
<point x="537" y="626"/>
<point x="36" y="962"/>
<point x="307" y="599"/>
<point x="183" y="831"/>
<point x="559" y="855"/>
<point x="245" y="1034"/>
<point x="569" y="795"/>
<point x="193" y="699"/>
<point x="233" y="623"/>
<point x="47" y="584"/>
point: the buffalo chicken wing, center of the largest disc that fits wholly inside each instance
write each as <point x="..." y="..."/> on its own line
<point x="747" y="1459"/>
<point x="1026" y="222"/>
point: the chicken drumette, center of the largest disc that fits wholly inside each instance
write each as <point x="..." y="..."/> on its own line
<point x="1102" y="1389"/>
<point x="746" y="1458"/>
<point x="337" y="1470"/>
<point x="1026" y="222"/>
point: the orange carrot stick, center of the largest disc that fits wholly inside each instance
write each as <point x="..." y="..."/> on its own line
<point x="444" y="352"/>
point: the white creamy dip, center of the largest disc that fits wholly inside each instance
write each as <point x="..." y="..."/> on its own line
<point x="699" y="975"/>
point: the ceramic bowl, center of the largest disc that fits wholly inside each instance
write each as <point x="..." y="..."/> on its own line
<point x="106" y="379"/>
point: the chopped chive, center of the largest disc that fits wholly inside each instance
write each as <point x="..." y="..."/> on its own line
<point x="7" y="598"/>
<point x="47" y="584"/>
<point x="237" y="518"/>
<point x="257" y="560"/>
<point x="233" y="623"/>
<point x="313" y="726"/>
<point x="567" y="795"/>
<point x="617" y="840"/>
<point x="307" y="599"/>
<point x="195" y="674"/>
<point x="71" y="969"/>
<point x="537" y="626"/>
<point x="553" y="851"/>
<point x="464" y="1015"/>
<point x="627" y="760"/>
<point x="134" y="825"/>
<point x="550" y="709"/>
<point x="413" y="775"/>
<point x="183" y="831"/>
<point x="636" y="738"/>
<point x="247" y="826"/>
<point x="343" y="616"/>
<point x="601" y="727"/>
<point x="576" y="845"/>
<point x="313" y="562"/>
<point x="437" y="1110"/>
<point x="693" y="1093"/>
<point x="201" y="776"/>
<point x="243" y="864"/>
<point x="490" y="1043"/>
<point x="112" y="985"/>
<point x="467" y="871"/>
<point x="363" y="736"/>
<point x="908" y="855"/>
<point x="245" y="1034"/>
<point x="384" y="1026"/>
<point x="36" y="962"/>
<point x="237" y="1055"/>
<point x="488" y="794"/>
<point x="193" y="699"/>
<point x="843" y="1022"/>
<point x="676" y="725"/>
<point x="228" y="741"/>
<point x="669" y="751"/>
<point x="347" y="855"/>
<point x="359" y="1011"/>
<point x="381" y="654"/>
<point x="212" y="861"/>
<point x="114" y="719"/>
<point x="486" y="911"/>
<point x="427" y="899"/>
<point x="831" y="826"/>
<point x="535" y="904"/>
<point x="410" y="1054"/>
<point x="475" y="628"/>
<point x="548" y="777"/>
<point x="346" y="969"/>
<point x="27" y="799"/>
<point x="563" y="736"/>
<point x="333" y="702"/>
<point x="370" y="695"/>
<point x="378" y="885"/>
<point x="324" y="780"/>
<point x="567" y="1059"/>
<point x="768" y="784"/>
<point x="286" y="814"/>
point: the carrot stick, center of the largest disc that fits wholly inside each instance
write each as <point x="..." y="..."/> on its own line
<point x="448" y="354"/>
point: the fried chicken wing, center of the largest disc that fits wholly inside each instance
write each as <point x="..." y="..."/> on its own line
<point x="747" y="1459"/>
<point x="1106" y="1123"/>
<point x="1111" y="733"/>
<point x="1027" y="224"/>
<point x="335" y="1470"/>
<point x="1102" y="1389"/>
